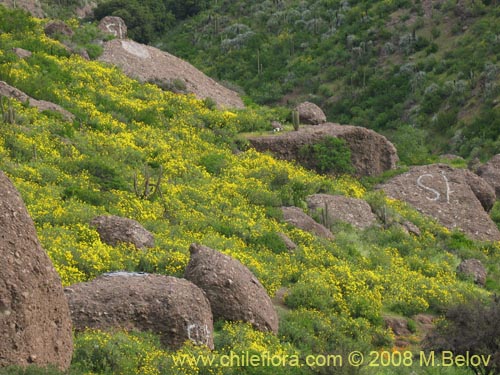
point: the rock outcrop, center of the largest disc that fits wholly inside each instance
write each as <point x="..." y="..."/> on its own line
<point x="42" y="105"/>
<point x="481" y="189"/>
<point x="290" y="245"/>
<point x="371" y="153"/>
<point x="114" y="26"/>
<point x="35" y="324"/>
<point x="22" y="53"/>
<point x="445" y="193"/>
<point x="34" y="7"/>
<point x="332" y="208"/>
<point x="149" y="64"/>
<point x="310" y="113"/>
<point x="296" y="217"/>
<point x="175" y="309"/>
<point x="490" y="172"/>
<point x="57" y="27"/>
<point x="233" y="291"/>
<point x="475" y="269"/>
<point x="114" y="230"/>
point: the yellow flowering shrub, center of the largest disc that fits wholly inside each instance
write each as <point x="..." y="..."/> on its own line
<point x="129" y="139"/>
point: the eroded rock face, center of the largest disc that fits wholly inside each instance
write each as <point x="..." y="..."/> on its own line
<point x="490" y="172"/>
<point x="35" y="324"/>
<point x="175" y="309"/>
<point x="114" y="26"/>
<point x="114" y="229"/>
<point x="149" y="64"/>
<point x="445" y="193"/>
<point x="233" y="291"/>
<point x="474" y="268"/>
<point x="331" y="208"/>
<point x="371" y="153"/>
<point x="481" y="189"/>
<point x="296" y="217"/>
<point x="311" y="114"/>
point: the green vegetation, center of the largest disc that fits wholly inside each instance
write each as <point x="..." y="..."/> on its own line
<point x="424" y="73"/>
<point x="169" y="161"/>
<point x="330" y="155"/>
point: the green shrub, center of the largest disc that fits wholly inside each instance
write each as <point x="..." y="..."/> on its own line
<point x="495" y="213"/>
<point x="214" y="163"/>
<point x="95" y="198"/>
<point x="471" y="329"/>
<point x="330" y="155"/>
<point x="104" y="173"/>
<point x="270" y="240"/>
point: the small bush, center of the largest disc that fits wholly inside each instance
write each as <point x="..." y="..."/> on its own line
<point x="471" y="329"/>
<point x="214" y="163"/>
<point x="330" y="155"/>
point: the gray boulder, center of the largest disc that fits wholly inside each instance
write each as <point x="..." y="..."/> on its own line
<point x="114" y="229"/>
<point x="22" y="53"/>
<point x="446" y="194"/>
<point x="114" y="26"/>
<point x="173" y="308"/>
<point x="481" y="189"/>
<point x="35" y="324"/>
<point x="490" y="172"/>
<point x="57" y="27"/>
<point x="233" y="291"/>
<point x="371" y="153"/>
<point x="332" y="208"/>
<point x="310" y="113"/>
<point x="296" y="217"/>
<point x="475" y="269"/>
<point x="42" y="105"/>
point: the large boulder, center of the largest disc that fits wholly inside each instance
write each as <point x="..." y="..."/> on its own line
<point x="114" y="26"/>
<point x="35" y="324"/>
<point x="310" y="113"/>
<point x="475" y="269"/>
<point x="332" y="208"/>
<point x="149" y="64"/>
<point x="233" y="291"/>
<point x="114" y="230"/>
<point x="445" y="193"/>
<point x="175" y="309"/>
<point x="490" y="172"/>
<point x="371" y="153"/>
<point x="296" y="217"/>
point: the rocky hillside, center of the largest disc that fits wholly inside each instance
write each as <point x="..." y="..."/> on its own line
<point x="425" y="73"/>
<point x="240" y="252"/>
<point x="149" y="64"/>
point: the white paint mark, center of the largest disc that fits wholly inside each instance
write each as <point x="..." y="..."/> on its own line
<point x="200" y="335"/>
<point x="448" y="191"/>
<point x="135" y="49"/>
<point x="420" y="184"/>
<point x="437" y="194"/>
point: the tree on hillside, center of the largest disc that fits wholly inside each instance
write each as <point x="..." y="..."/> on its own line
<point x="472" y="328"/>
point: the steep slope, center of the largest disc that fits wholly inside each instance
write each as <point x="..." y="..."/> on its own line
<point x="149" y="64"/>
<point x="128" y="136"/>
<point x="425" y="73"/>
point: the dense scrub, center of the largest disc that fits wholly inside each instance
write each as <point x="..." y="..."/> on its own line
<point x="69" y="172"/>
<point x="424" y="72"/>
